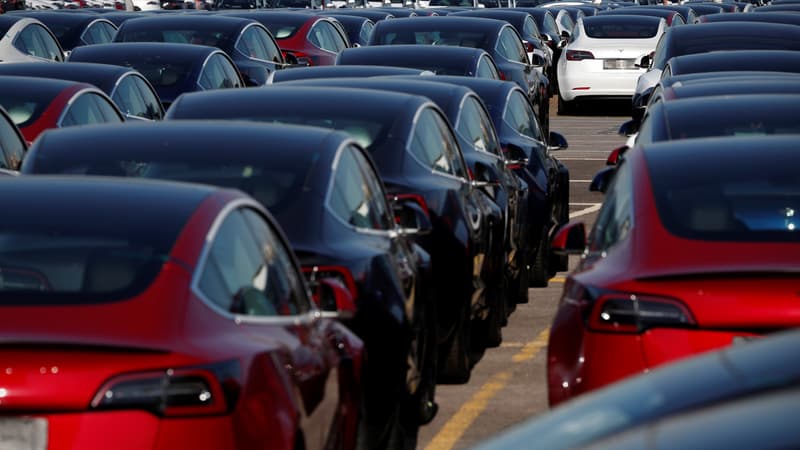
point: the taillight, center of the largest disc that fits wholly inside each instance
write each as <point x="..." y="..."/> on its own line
<point x="190" y="391"/>
<point x="635" y="313"/>
<point x="502" y="75"/>
<point x="343" y="274"/>
<point x="615" y="155"/>
<point x="579" y="55"/>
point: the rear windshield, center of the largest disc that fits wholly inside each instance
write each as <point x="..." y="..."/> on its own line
<point x="162" y="73"/>
<point x="454" y="38"/>
<point x="282" y="28"/>
<point x="25" y="107"/>
<point x="624" y="28"/>
<point x="209" y="38"/>
<point x="739" y="197"/>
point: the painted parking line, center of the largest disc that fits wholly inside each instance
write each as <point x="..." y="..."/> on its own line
<point x="585" y="211"/>
<point x="558" y="280"/>
<point x="455" y="428"/>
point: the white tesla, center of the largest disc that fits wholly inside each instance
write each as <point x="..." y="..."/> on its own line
<point x="603" y="57"/>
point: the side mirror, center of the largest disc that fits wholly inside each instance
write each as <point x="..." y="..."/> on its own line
<point x="334" y="299"/>
<point x="537" y="60"/>
<point x="570" y="239"/>
<point x="646" y="62"/>
<point x="602" y="179"/>
<point x="545" y="37"/>
<point x="565" y="34"/>
<point x="629" y="128"/>
<point x="557" y="141"/>
<point x="616" y="155"/>
<point x="411" y="215"/>
<point x="516" y="157"/>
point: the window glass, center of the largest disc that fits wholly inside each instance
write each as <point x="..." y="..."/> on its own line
<point x="352" y="196"/>
<point x="620" y="28"/>
<point x="510" y="46"/>
<point x="366" y="30"/>
<point x="377" y="197"/>
<point x="150" y="98"/>
<point x="129" y="99"/>
<point x="273" y="52"/>
<point x="433" y="145"/>
<point x="475" y="127"/>
<point x="248" y="272"/>
<point x="566" y="22"/>
<point x="98" y="33"/>
<point x="87" y="109"/>
<point x="487" y="69"/>
<point x="320" y="35"/>
<point x="218" y="74"/>
<point x="615" y="217"/>
<point x="529" y="27"/>
<point x="550" y="25"/>
<point x="250" y="45"/>
<point x="660" y="53"/>
<point x="521" y="118"/>
<point x="36" y="41"/>
<point x="12" y="149"/>
<point x="337" y="37"/>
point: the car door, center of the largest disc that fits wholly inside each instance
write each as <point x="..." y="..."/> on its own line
<point x="250" y="273"/>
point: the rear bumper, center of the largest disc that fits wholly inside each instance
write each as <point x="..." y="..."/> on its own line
<point x="577" y="82"/>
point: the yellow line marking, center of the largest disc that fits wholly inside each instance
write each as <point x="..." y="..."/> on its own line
<point x="452" y="431"/>
<point x="512" y="345"/>
<point x="558" y="279"/>
<point x="458" y="424"/>
<point x="532" y="348"/>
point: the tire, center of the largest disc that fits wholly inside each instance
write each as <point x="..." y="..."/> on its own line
<point x="540" y="266"/>
<point x="489" y="334"/>
<point x="424" y="400"/>
<point x="565" y="107"/>
<point x="456" y="367"/>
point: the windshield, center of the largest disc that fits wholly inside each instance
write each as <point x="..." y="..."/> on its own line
<point x="454" y="38"/>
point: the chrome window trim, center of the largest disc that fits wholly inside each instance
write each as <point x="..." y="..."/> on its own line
<point x="311" y="315"/>
<point x="241" y="35"/>
<point x="106" y="21"/>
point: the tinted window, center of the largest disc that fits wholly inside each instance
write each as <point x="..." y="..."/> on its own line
<point x="353" y="197"/>
<point x="218" y="74"/>
<point x="256" y="43"/>
<point x="325" y="36"/>
<point x="129" y="99"/>
<point x="754" y="196"/>
<point x="550" y="24"/>
<point x="12" y="148"/>
<point x="247" y="271"/>
<point x="521" y="118"/>
<point x="510" y="46"/>
<point x="615" y="217"/>
<point x="621" y="28"/>
<point x="98" y="33"/>
<point x="432" y="144"/>
<point x="150" y="98"/>
<point x="462" y="38"/>
<point x="364" y="33"/>
<point x="87" y="109"/>
<point x="487" y="69"/>
<point x="529" y="28"/>
<point x="281" y="28"/>
<point x="474" y="126"/>
<point x="34" y="40"/>
<point x="566" y="22"/>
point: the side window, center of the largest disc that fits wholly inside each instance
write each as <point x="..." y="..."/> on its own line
<point x="98" y="33"/>
<point x="660" y="53"/>
<point x="352" y="196"/>
<point x="34" y="40"/>
<point x="529" y="27"/>
<point x="218" y="74"/>
<point x="150" y="98"/>
<point x="247" y="270"/>
<point x="12" y="149"/>
<point x="129" y="99"/>
<point x="231" y="75"/>
<point x="273" y="52"/>
<point x="474" y="126"/>
<point x="434" y="148"/>
<point x="250" y="46"/>
<point x="510" y="46"/>
<point x="487" y="69"/>
<point x="615" y="217"/>
<point x="550" y="24"/>
<point x="321" y="36"/>
<point x="519" y="116"/>
<point x="87" y="109"/>
<point x="566" y="22"/>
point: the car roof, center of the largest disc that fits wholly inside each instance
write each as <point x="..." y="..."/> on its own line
<point x="442" y="23"/>
<point x="411" y="55"/>
<point x="755" y="16"/>
<point x="121" y="51"/>
<point x="764" y="60"/>
<point x="104" y="76"/>
<point x="200" y="22"/>
<point x="303" y="73"/>
<point x="745" y="86"/>
<point x="736" y="32"/>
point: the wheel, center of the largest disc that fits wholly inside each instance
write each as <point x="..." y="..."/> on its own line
<point x="565" y="107"/>
<point x="455" y="369"/>
<point x="424" y="400"/>
<point x="489" y="333"/>
<point x="540" y="267"/>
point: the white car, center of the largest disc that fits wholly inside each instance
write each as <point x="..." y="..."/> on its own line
<point x="27" y="40"/>
<point x="603" y="57"/>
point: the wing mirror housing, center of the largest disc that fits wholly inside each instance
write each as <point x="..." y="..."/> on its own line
<point x="629" y="128"/>
<point x="557" y="141"/>
<point x="411" y="215"/>
<point x="334" y="299"/>
<point x="646" y="62"/>
<point x="602" y="179"/>
<point x="516" y="157"/>
<point x="570" y="239"/>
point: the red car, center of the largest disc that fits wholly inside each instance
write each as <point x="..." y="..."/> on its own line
<point x="303" y="38"/>
<point x="695" y="248"/>
<point x="153" y="315"/>
<point x="36" y="104"/>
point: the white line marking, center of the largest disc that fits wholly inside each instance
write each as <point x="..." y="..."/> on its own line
<point x="584" y="204"/>
<point x="585" y="211"/>
<point x="580" y="181"/>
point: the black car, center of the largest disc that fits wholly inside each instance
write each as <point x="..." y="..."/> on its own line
<point x="249" y="44"/>
<point x="502" y="190"/>
<point x="307" y="73"/>
<point x="790" y="19"/>
<point x="323" y="189"/>
<point x="746" y="370"/>
<point x="128" y="88"/>
<point x="785" y="8"/>
<point x="172" y="69"/>
<point x="548" y="28"/>
<point x="496" y="37"/>
<point x="75" y="29"/>
<point x="12" y="144"/>
<point x="547" y="178"/>
<point x="726" y="61"/>
<point x="461" y="61"/>
<point x="710" y="37"/>
<point x="418" y="157"/>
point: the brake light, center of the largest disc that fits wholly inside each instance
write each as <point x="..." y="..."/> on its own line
<point x="579" y="55"/>
<point x="190" y="391"/>
<point x="342" y="274"/>
<point x="635" y="314"/>
<point x="615" y="155"/>
<point x="502" y="75"/>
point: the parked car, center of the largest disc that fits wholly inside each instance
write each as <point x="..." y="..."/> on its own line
<point x="306" y="39"/>
<point x="75" y="29"/>
<point x="745" y="370"/>
<point x="461" y="61"/>
<point x="12" y="144"/>
<point x="171" y="69"/>
<point x="249" y="44"/>
<point x="24" y="39"/>
<point x="671" y="17"/>
<point x="141" y="297"/>
<point x="603" y="59"/>
<point x="307" y="73"/>
<point x="129" y="89"/>
<point x="37" y="104"/>
<point x="708" y="38"/>
<point x="728" y="61"/>
<point x="629" y="307"/>
<point x="496" y="37"/>
<point x="419" y="160"/>
<point x="550" y="33"/>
